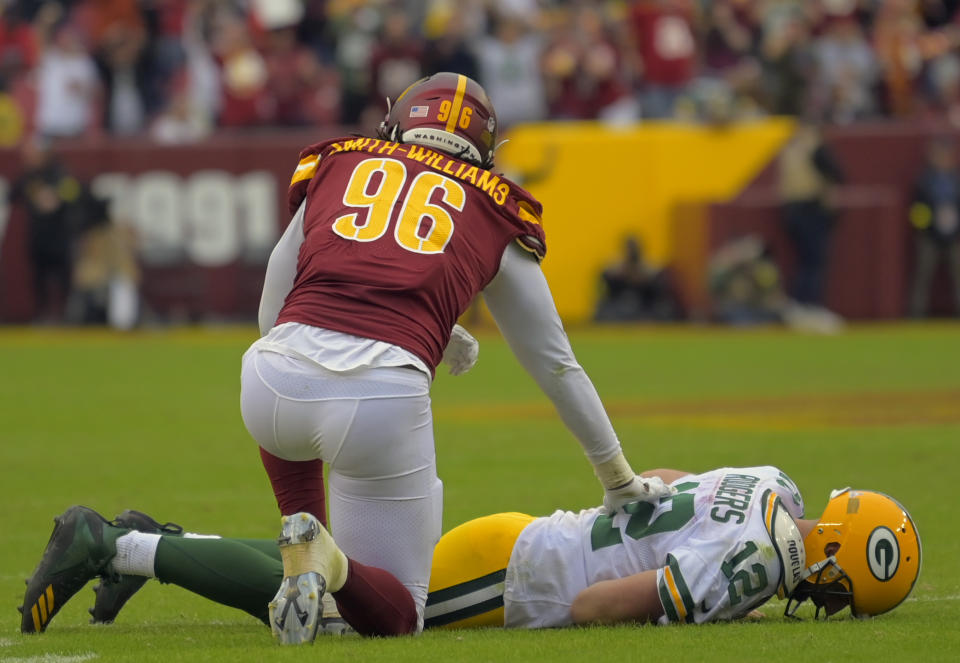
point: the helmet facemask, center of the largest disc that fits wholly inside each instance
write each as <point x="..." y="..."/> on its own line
<point x="831" y="594"/>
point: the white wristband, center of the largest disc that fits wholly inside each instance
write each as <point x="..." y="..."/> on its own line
<point x="615" y="472"/>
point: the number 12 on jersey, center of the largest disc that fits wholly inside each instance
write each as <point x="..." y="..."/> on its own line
<point x="751" y="582"/>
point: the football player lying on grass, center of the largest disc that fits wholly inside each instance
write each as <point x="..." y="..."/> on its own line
<point x="724" y="544"/>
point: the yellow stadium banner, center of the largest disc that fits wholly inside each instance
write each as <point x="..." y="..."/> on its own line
<point x="599" y="184"/>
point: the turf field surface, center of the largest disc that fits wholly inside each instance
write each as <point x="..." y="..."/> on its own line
<point x="151" y="421"/>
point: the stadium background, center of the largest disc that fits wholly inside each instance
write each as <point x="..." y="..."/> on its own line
<point x="214" y="211"/>
<point x="218" y="96"/>
<point x="208" y="215"/>
<point x="149" y="419"/>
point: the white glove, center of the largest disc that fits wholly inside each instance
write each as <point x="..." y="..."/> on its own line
<point x="645" y="489"/>
<point x="461" y="352"/>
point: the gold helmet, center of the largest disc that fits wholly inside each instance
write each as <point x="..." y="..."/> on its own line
<point x="864" y="552"/>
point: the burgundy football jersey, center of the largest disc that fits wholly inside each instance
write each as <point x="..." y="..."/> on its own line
<point x="399" y="239"/>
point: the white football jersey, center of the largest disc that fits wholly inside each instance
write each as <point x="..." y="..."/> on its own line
<point x="712" y="544"/>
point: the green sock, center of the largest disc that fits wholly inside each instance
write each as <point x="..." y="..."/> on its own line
<point x="229" y="571"/>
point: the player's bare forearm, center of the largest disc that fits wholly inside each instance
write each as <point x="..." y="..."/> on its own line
<point x="668" y="476"/>
<point x="630" y="599"/>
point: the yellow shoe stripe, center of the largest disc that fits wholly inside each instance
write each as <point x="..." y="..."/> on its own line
<point x="50" y="599"/>
<point x="42" y="602"/>
<point x="37" y="624"/>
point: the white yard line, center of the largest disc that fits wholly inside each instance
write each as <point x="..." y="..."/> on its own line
<point x="928" y="599"/>
<point x="53" y="658"/>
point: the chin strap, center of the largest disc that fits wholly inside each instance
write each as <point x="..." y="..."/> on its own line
<point x="819" y="567"/>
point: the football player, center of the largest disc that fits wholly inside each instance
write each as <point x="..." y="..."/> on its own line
<point x="391" y="239"/>
<point x="726" y="542"/>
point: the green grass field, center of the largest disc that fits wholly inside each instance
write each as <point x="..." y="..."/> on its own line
<point x="151" y="421"/>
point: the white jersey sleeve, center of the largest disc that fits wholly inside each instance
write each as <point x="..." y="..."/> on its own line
<point x="281" y="272"/>
<point x="788" y="492"/>
<point x="522" y="306"/>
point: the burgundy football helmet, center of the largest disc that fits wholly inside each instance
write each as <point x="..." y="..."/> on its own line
<point x="448" y="112"/>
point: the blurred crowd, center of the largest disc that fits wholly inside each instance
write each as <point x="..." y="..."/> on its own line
<point x="178" y="69"/>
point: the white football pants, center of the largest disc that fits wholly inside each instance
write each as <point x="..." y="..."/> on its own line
<point x="374" y="429"/>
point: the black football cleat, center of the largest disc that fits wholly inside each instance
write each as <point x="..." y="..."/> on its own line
<point x="80" y="548"/>
<point x="114" y="591"/>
